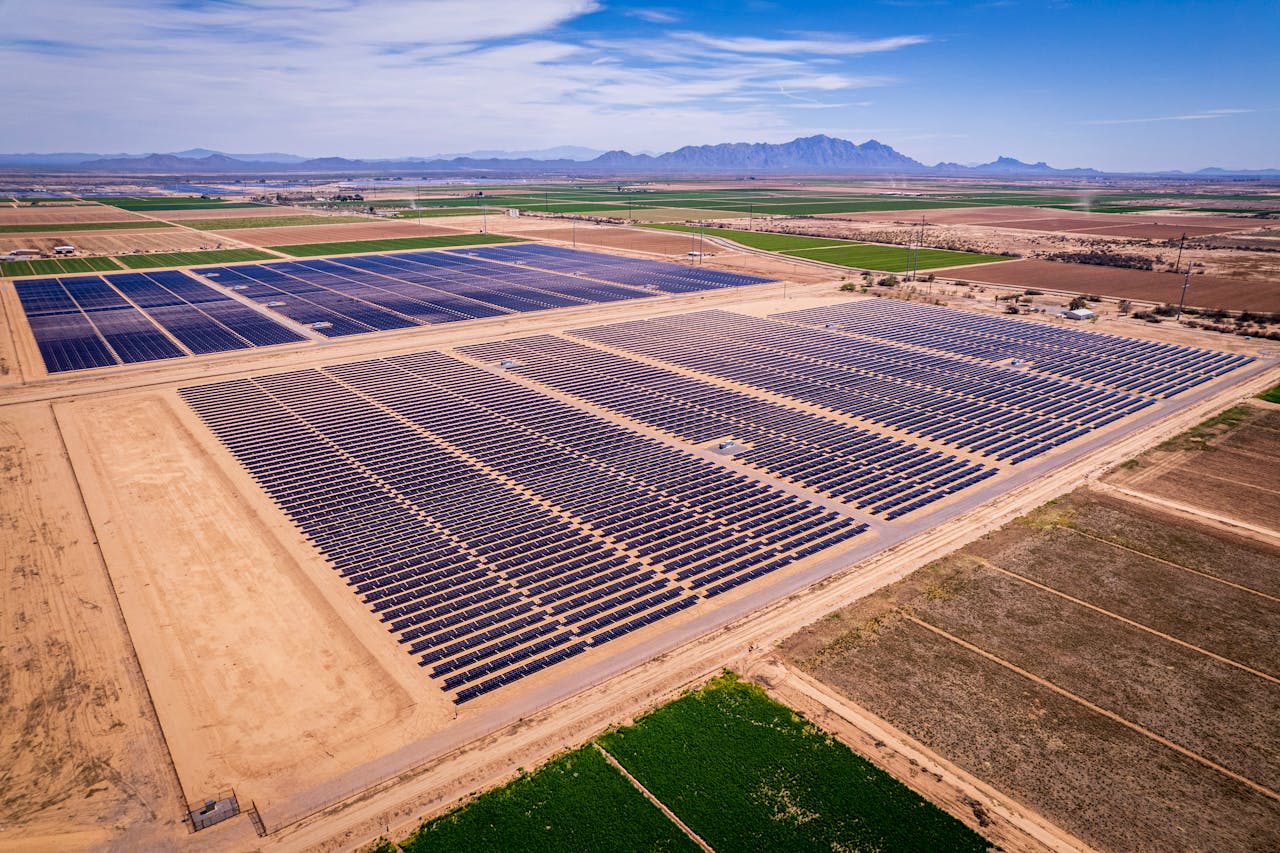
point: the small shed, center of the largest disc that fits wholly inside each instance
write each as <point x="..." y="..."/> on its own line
<point x="1079" y="314"/>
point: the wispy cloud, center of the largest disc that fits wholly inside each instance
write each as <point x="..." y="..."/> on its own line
<point x="654" y="16"/>
<point x="795" y="46"/>
<point x="1201" y="116"/>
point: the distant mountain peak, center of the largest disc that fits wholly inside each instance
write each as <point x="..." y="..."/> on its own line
<point x="806" y="155"/>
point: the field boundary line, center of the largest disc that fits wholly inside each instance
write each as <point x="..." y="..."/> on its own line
<point x="788" y="684"/>
<point x="1191" y="510"/>
<point x="1205" y="575"/>
<point x="1097" y="709"/>
<point x="992" y="566"/>
<point x="693" y="836"/>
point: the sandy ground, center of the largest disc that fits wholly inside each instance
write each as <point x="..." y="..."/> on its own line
<point x="82" y="755"/>
<point x="320" y="233"/>
<point x="262" y="698"/>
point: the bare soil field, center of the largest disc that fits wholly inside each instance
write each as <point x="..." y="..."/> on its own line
<point x="1205" y="291"/>
<point x="82" y="754"/>
<point x="299" y="234"/>
<point x="1109" y="690"/>
<point x="265" y="698"/>
<point x="122" y="242"/>
<point x="64" y="215"/>
<point x="1229" y="470"/>
<point x="1155" y="230"/>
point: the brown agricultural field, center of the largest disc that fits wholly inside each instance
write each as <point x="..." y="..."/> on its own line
<point x="299" y="234"/>
<point x="1127" y="692"/>
<point x="64" y="215"/>
<point x="1205" y="291"/>
<point x="1225" y="467"/>
<point x="122" y="242"/>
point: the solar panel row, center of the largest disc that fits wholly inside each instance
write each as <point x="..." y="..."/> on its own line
<point x="994" y="411"/>
<point x="99" y="321"/>
<point x="366" y="293"/>
<point x="854" y="465"/>
<point x="493" y="529"/>
<point x="658" y="275"/>
<point x="1143" y="367"/>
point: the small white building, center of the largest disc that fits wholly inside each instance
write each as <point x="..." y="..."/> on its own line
<point x="1079" y="314"/>
<point x="64" y="250"/>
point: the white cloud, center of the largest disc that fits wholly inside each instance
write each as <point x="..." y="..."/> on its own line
<point x="824" y="46"/>
<point x="1201" y="116"/>
<point x="393" y="77"/>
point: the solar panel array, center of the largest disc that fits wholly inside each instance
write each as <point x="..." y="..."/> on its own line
<point x="1143" y="367"/>
<point x="100" y="321"/>
<point x="496" y="530"/>
<point x="985" y="409"/>
<point x="367" y="293"/>
<point x="658" y="275"/>
<point x="875" y="471"/>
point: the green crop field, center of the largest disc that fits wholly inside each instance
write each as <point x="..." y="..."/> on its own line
<point x="82" y="226"/>
<point x="160" y="203"/>
<point x="57" y="266"/>
<point x="577" y="802"/>
<point x="1271" y="395"/>
<point x="268" y="222"/>
<point x="893" y="258"/>
<point x="186" y="259"/>
<point x="747" y="774"/>
<point x="760" y="239"/>
<point x="431" y="212"/>
<point x="392" y="244"/>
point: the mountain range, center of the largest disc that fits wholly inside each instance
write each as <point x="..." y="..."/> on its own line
<point x="811" y="155"/>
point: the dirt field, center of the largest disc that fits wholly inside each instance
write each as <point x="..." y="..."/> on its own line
<point x="64" y="215"/>
<point x="263" y="698"/>
<point x="112" y="242"/>
<point x="299" y="234"/>
<point x="1205" y="291"/>
<point x="82" y="755"/>
<point x="123" y="242"/>
<point x="1044" y="660"/>
<point x="1231" y="471"/>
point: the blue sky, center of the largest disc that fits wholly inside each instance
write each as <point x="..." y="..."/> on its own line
<point x="1117" y="86"/>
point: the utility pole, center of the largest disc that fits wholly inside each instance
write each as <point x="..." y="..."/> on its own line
<point x="751" y="216"/>
<point x="1178" y="263"/>
<point x="1186" y="282"/>
<point x="575" y="233"/>
<point x="484" y="219"/>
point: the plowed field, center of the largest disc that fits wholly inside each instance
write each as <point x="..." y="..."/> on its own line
<point x="1205" y="291"/>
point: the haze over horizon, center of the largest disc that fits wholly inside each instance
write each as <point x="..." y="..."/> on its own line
<point x="1135" y="86"/>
